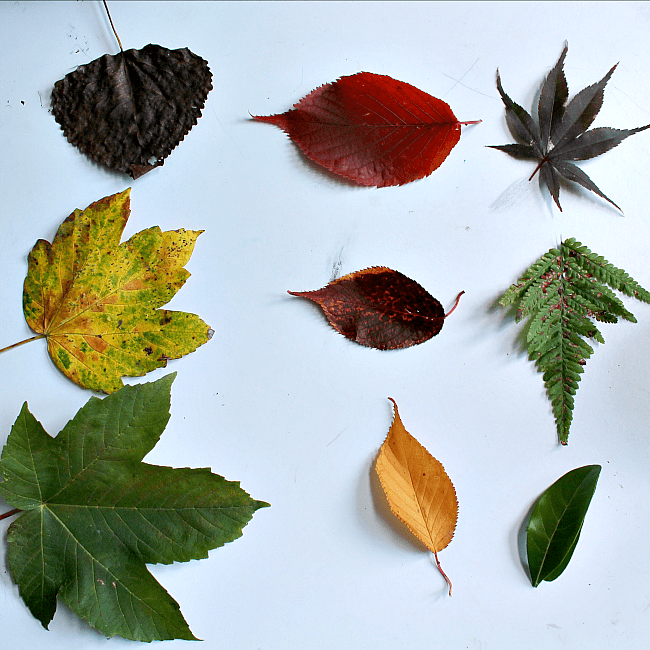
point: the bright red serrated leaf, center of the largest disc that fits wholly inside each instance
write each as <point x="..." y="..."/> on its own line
<point x="380" y="308"/>
<point x="372" y="129"/>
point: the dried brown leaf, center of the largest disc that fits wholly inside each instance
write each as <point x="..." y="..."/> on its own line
<point x="128" y="111"/>
<point x="418" y="489"/>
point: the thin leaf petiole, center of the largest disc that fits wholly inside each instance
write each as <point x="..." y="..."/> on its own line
<point x="541" y="162"/>
<point x="15" y="345"/>
<point x="455" y="304"/>
<point x="444" y="575"/>
<point x="119" y="42"/>
<point x="9" y="513"/>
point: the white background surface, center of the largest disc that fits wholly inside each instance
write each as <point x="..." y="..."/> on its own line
<point x="297" y="413"/>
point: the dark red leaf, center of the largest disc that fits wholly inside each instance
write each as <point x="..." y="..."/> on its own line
<point x="380" y="308"/>
<point x="372" y="129"/>
<point x="129" y="110"/>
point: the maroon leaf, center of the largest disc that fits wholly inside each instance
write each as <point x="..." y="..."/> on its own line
<point x="380" y="308"/>
<point x="372" y="129"/>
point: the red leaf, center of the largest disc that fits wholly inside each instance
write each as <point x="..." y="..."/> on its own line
<point x="372" y="129"/>
<point x="380" y="308"/>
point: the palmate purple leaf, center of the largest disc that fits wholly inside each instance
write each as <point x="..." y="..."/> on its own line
<point x="560" y="134"/>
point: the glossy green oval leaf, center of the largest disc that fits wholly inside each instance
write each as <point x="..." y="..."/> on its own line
<point x="556" y="522"/>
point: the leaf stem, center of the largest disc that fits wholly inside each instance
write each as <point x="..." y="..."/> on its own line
<point x="471" y="122"/>
<point x="15" y="345"/>
<point x="10" y="513"/>
<point x="541" y="162"/>
<point x="444" y="575"/>
<point x="455" y="304"/>
<point x="119" y="42"/>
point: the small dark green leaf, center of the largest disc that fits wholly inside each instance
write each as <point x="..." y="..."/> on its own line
<point x="556" y="522"/>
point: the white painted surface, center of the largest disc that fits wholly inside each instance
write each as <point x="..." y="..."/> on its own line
<point x="278" y="400"/>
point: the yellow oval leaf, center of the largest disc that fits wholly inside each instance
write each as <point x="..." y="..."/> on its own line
<point x="418" y="489"/>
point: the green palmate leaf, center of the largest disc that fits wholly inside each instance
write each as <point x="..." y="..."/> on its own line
<point x="97" y="301"/>
<point x="562" y="294"/>
<point x="94" y="514"/>
<point x="556" y="522"/>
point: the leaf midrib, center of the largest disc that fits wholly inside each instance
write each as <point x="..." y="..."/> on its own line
<point x="559" y="520"/>
<point x="105" y="567"/>
<point x="373" y="307"/>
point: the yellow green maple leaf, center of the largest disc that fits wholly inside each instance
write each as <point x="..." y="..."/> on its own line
<point x="97" y="301"/>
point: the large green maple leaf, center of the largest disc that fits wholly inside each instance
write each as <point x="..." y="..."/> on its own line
<point x="94" y="514"/>
<point x="562" y="294"/>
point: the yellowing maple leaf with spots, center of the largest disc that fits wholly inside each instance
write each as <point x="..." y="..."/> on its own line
<point x="97" y="301"/>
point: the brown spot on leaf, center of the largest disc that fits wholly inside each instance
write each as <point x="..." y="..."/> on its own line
<point x="97" y="343"/>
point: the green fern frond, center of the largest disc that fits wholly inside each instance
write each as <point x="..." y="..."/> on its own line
<point x="539" y="269"/>
<point x="602" y="270"/>
<point x="562" y="294"/>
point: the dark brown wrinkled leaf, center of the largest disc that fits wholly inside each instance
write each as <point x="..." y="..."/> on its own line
<point x="561" y="134"/>
<point x="380" y="308"/>
<point x="128" y="111"/>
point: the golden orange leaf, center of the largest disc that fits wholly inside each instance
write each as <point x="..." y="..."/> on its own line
<point x="418" y="489"/>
